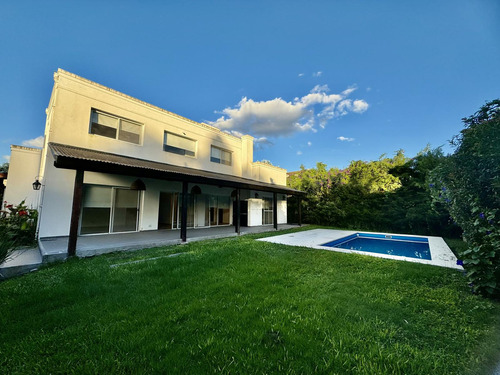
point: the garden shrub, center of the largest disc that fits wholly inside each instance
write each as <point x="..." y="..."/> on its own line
<point x="468" y="182"/>
<point x="17" y="228"/>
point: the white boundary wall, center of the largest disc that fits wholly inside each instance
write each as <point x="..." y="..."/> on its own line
<point x="23" y="170"/>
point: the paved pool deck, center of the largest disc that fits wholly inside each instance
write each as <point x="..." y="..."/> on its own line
<point x="441" y="254"/>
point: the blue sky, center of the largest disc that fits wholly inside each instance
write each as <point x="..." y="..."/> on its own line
<point x="329" y="81"/>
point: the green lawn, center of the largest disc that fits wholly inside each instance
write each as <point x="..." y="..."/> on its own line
<point x="242" y="306"/>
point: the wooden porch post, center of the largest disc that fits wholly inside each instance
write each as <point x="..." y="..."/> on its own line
<point x="300" y="211"/>
<point x="184" y="211"/>
<point x="238" y="212"/>
<point x="275" y="210"/>
<point x="75" y="213"/>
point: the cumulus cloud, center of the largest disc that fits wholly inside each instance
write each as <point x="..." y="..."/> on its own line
<point x="317" y="74"/>
<point x="301" y="75"/>
<point x="299" y="153"/>
<point x="309" y="143"/>
<point x="278" y="117"/>
<point x="35" y="142"/>
<point x="345" y="139"/>
<point x="6" y="158"/>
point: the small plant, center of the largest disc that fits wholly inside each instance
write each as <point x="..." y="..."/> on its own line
<point x="17" y="228"/>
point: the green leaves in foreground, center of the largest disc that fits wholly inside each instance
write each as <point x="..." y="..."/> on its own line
<point x="468" y="182"/>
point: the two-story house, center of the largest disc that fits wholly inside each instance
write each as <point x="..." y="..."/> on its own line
<point x="112" y="163"/>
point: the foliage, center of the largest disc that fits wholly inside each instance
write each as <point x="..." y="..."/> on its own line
<point x="242" y="306"/>
<point x="348" y="197"/>
<point x="4" y="168"/>
<point x="468" y="182"/>
<point x="17" y="227"/>
<point x="265" y="161"/>
<point x="391" y="194"/>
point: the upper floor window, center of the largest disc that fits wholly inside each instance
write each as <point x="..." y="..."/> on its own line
<point x="179" y="145"/>
<point x="115" y="127"/>
<point x="219" y="155"/>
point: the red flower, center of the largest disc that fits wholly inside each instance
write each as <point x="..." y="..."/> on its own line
<point x="9" y="206"/>
<point x="23" y="213"/>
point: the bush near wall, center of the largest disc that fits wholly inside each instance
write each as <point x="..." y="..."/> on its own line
<point x="468" y="182"/>
<point x="17" y="228"/>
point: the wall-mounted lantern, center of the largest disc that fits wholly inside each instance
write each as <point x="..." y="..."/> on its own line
<point x="196" y="190"/>
<point x="138" y="185"/>
<point x="37" y="185"/>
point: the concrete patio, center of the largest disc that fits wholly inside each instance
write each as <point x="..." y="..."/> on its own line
<point x="55" y="249"/>
<point x="20" y="262"/>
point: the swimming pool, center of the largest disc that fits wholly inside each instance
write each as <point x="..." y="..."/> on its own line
<point x="439" y="255"/>
<point x="397" y="245"/>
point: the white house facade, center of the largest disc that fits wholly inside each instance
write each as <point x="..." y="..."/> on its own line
<point x="111" y="163"/>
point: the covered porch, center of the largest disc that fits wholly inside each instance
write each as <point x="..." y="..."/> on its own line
<point x="188" y="182"/>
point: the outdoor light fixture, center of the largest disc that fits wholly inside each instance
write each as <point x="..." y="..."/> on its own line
<point x="36" y="185"/>
<point x="138" y="185"/>
<point x="196" y="190"/>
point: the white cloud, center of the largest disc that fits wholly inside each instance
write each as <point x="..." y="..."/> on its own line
<point x="317" y="74"/>
<point x="301" y="75"/>
<point x="278" y="117"/>
<point x="368" y="89"/>
<point x="309" y="143"/>
<point x="359" y="106"/>
<point x="261" y="142"/>
<point x="35" y="142"/>
<point x="347" y="105"/>
<point x="6" y="158"/>
<point x="299" y="152"/>
<point x="345" y="139"/>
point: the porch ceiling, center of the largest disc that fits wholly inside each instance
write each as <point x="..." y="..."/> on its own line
<point x="71" y="157"/>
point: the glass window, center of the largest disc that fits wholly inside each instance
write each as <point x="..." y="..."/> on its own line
<point x="110" y="126"/>
<point x="267" y="210"/>
<point x="224" y="210"/>
<point x="179" y="145"/>
<point x="126" y="206"/>
<point x="130" y="132"/>
<point x="96" y="209"/>
<point x="219" y="155"/>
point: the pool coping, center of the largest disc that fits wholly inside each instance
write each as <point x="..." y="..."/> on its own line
<point x="441" y="254"/>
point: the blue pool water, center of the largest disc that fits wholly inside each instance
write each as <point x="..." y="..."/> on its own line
<point x="413" y="247"/>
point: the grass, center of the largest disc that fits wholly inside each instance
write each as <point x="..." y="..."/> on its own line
<point x="239" y="305"/>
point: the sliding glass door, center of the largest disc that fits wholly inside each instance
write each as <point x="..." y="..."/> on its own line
<point x="96" y="210"/>
<point x="108" y="210"/>
<point x="125" y="210"/>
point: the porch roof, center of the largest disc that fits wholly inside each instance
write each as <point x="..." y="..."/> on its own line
<point x="72" y="157"/>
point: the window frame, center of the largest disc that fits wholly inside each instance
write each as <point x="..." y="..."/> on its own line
<point x="178" y="150"/>
<point x="220" y="160"/>
<point x="118" y="128"/>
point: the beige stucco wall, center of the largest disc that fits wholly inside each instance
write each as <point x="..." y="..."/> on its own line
<point x="68" y="122"/>
<point x="23" y="170"/>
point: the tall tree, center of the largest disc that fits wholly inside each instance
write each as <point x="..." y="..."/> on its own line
<point x="469" y="183"/>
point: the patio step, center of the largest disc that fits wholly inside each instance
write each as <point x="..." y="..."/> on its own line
<point x="20" y="262"/>
<point x="53" y="249"/>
